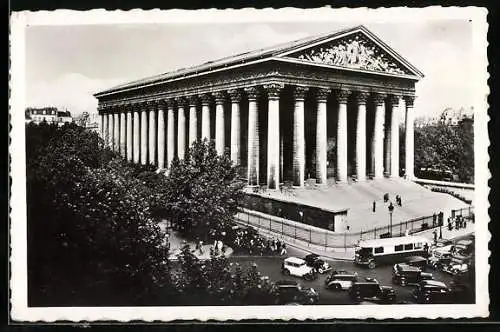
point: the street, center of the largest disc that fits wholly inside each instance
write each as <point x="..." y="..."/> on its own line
<point x="271" y="266"/>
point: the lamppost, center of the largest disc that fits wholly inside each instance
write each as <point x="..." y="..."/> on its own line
<point x="391" y="210"/>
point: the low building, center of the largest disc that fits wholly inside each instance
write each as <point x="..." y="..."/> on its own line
<point x="39" y="115"/>
<point x="64" y="117"/>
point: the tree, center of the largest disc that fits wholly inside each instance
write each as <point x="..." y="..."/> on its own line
<point x="202" y="192"/>
<point x="91" y="233"/>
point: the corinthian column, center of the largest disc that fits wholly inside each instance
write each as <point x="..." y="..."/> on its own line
<point x="253" y="136"/>
<point x="101" y="124"/>
<point x="170" y="131"/>
<point x="123" y="132"/>
<point x="235" y="125"/>
<point x="116" y="131"/>
<point x="152" y="133"/>
<point x="273" y="135"/>
<point x="409" y="137"/>
<point x="299" y="142"/>
<point x="161" y="134"/>
<point x="321" y="137"/>
<point x="193" y="121"/>
<point x="137" y="134"/>
<point x="205" y="116"/>
<point x="144" y="135"/>
<point x="378" y="137"/>
<point x="361" y="136"/>
<point x="105" y="132"/>
<point x="129" y="133"/>
<point x="181" y="128"/>
<point x="342" y="96"/>
<point x="219" y="122"/>
<point x="394" y="132"/>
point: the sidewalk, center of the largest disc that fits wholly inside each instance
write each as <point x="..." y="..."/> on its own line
<point x="177" y="242"/>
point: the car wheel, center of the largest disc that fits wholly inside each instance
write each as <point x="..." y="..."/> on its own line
<point x="371" y="265"/>
<point x="308" y="277"/>
<point x="403" y="282"/>
<point x="286" y="272"/>
<point x="337" y="287"/>
<point x="320" y="270"/>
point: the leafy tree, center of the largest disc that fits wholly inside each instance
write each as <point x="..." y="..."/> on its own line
<point x="91" y="232"/>
<point x="202" y="192"/>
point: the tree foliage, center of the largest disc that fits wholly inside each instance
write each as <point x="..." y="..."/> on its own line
<point x="202" y="191"/>
<point x="447" y="148"/>
<point x="89" y="221"/>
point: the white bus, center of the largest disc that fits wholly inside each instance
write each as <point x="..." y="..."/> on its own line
<point x="390" y="250"/>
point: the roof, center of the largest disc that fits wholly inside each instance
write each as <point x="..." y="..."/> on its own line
<point x="394" y="241"/>
<point x="295" y="260"/>
<point x="435" y="283"/>
<point x="256" y="55"/>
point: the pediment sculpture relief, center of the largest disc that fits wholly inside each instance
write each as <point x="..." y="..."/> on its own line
<point x="353" y="52"/>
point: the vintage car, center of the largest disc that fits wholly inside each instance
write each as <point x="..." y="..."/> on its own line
<point x="455" y="268"/>
<point x="404" y="274"/>
<point x="432" y="291"/>
<point x="371" y="290"/>
<point x="417" y="261"/>
<point x="298" y="267"/>
<point x="341" y="280"/>
<point x="317" y="263"/>
<point x="438" y="260"/>
<point x="289" y="292"/>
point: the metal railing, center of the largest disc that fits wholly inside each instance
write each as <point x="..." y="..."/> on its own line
<point x="323" y="237"/>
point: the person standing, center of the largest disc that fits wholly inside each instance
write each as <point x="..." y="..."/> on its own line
<point x="435" y="234"/>
<point x="374" y="206"/>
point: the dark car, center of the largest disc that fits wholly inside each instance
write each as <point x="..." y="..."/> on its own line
<point x="317" y="263"/>
<point x="439" y="261"/>
<point x="291" y="292"/>
<point x="404" y="274"/>
<point x="371" y="290"/>
<point x="341" y="280"/>
<point x="417" y="261"/>
<point x="432" y="291"/>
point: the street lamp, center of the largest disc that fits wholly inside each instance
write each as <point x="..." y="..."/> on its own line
<point x="391" y="210"/>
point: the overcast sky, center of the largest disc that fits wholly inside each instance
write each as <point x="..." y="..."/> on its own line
<point x="65" y="65"/>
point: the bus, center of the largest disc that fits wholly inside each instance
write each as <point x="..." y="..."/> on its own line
<point x="390" y="250"/>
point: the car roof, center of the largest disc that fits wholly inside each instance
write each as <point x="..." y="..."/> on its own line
<point x="406" y="267"/>
<point x="434" y="283"/>
<point x="295" y="260"/>
<point x="312" y="255"/>
<point x="286" y="283"/>
<point x="415" y="259"/>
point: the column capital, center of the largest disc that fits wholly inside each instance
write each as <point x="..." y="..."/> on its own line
<point x="181" y="101"/>
<point x="206" y="99"/>
<point x="409" y="100"/>
<point x="193" y="100"/>
<point x="394" y="99"/>
<point x="361" y="97"/>
<point x="219" y="96"/>
<point x="342" y="95"/>
<point x="378" y="98"/>
<point x="252" y="92"/>
<point x="151" y="104"/>
<point x="273" y="90"/>
<point x="170" y="102"/>
<point x="161" y="103"/>
<point x="235" y="95"/>
<point x="129" y="108"/>
<point x="322" y="94"/>
<point x="299" y="92"/>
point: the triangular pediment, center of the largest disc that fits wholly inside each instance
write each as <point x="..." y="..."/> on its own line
<point x="356" y="50"/>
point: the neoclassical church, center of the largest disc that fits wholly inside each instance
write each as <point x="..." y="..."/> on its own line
<point x="325" y="107"/>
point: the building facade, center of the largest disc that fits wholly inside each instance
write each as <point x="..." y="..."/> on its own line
<point x="321" y="107"/>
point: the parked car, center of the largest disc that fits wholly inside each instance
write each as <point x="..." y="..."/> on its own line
<point x="298" y="267"/>
<point x="404" y="274"/>
<point x="371" y="290"/>
<point x="317" y="263"/>
<point x="341" y="280"/>
<point x="417" y="261"/>
<point x="289" y="292"/>
<point x="456" y="268"/>
<point x="432" y="291"/>
<point x="438" y="260"/>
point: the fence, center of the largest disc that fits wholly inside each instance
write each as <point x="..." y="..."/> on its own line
<point x="326" y="238"/>
<point x="467" y="212"/>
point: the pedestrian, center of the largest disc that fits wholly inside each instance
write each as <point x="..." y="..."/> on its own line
<point x="386" y="197"/>
<point x="278" y="246"/>
<point x="450" y="226"/>
<point x="426" y="248"/>
<point x="457" y="223"/>
<point x="374" y="205"/>
<point x="434" y="218"/>
<point x="283" y="249"/>
<point x="465" y="223"/>
<point x="435" y="234"/>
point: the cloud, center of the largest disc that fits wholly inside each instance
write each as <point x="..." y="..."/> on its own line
<point x="71" y="91"/>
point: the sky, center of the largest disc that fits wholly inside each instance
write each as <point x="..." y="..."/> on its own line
<point x="66" y="64"/>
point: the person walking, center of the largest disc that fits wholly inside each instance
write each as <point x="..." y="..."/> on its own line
<point x="283" y="249"/>
<point x="374" y="206"/>
<point x="435" y="234"/>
